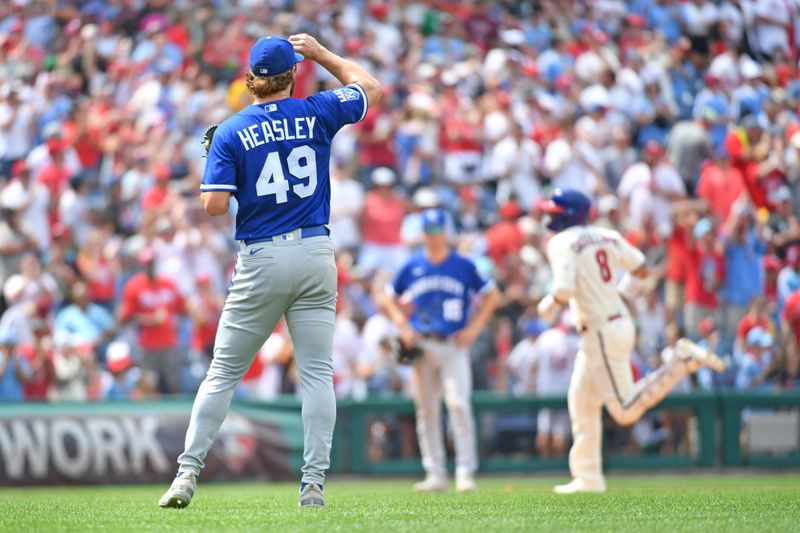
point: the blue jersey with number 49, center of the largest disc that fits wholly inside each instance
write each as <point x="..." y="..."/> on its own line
<point x="274" y="159"/>
<point x="441" y="293"/>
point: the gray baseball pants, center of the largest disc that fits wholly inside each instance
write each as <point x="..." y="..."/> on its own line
<point x="292" y="276"/>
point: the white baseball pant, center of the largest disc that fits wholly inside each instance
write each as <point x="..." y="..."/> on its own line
<point x="603" y="377"/>
<point x="444" y="370"/>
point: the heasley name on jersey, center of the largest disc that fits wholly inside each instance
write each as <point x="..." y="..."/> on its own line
<point x="277" y="130"/>
<point x="438" y="284"/>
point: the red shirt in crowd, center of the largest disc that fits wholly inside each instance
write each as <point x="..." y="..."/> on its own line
<point x="383" y="217"/>
<point x="378" y="151"/>
<point x="100" y="278"/>
<point x="142" y="295"/>
<point x="748" y="322"/>
<point x="203" y="334"/>
<point x="791" y="314"/>
<point x="704" y="274"/>
<point x="503" y="239"/>
<point x="677" y="255"/>
<point x="42" y="375"/>
<point x="720" y="188"/>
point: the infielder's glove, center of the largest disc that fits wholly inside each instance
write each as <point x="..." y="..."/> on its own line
<point x="404" y="356"/>
<point x="207" y="136"/>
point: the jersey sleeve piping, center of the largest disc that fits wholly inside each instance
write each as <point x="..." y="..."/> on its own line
<point x="358" y="87"/>
<point x="218" y="187"/>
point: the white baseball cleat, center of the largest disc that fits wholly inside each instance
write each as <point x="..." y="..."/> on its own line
<point x="311" y="496"/>
<point x="431" y="483"/>
<point x="579" y="485"/>
<point x="465" y="483"/>
<point x="689" y="350"/>
<point x="180" y="492"/>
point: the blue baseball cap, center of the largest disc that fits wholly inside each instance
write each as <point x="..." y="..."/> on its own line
<point x="433" y="221"/>
<point x="8" y="337"/>
<point x="701" y="227"/>
<point x="536" y="327"/>
<point x="271" y="56"/>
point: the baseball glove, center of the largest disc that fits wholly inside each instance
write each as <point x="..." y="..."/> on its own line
<point x="207" y="136"/>
<point x="404" y="356"/>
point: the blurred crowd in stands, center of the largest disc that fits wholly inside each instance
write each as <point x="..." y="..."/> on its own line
<point x="680" y="119"/>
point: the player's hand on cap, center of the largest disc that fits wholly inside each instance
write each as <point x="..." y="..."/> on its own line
<point x="307" y="46"/>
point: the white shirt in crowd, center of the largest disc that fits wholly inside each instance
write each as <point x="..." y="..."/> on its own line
<point x="517" y="164"/>
<point x="347" y="201"/>
<point x="565" y="170"/>
<point x="15" y="139"/>
<point x="544" y="365"/>
<point x="699" y="19"/>
<point x="346" y="349"/>
<point x="769" y="15"/>
<point x="646" y="191"/>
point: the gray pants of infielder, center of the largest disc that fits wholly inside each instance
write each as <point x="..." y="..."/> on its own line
<point x="295" y="277"/>
<point x="444" y="369"/>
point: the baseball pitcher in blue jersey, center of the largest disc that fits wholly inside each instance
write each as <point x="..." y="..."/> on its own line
<point x="273" y="157"/>
<point x="442" y="287"/>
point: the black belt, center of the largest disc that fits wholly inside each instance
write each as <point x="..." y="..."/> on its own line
<point x="310" y="231"/>
<point x="434" y="337"/>
<point x="583" y="327"/>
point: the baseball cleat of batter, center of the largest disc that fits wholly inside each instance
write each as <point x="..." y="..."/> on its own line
<point x="689" y="350"/>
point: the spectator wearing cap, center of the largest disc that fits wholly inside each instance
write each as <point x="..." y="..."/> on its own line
<point x="156" y="196"/>
<point x="347" y="204"/>
<point x="411" y="231"/>
<point x="14" y="369"/>
<point x="720" y="185"/>
<point x="153" y="304"/>
<point x="31" y="199"/>
<point x="74" y="370"/>
<point x="39" y="157"/>
<point x="744" y="251"/>
<point x="83" y="321"/>
<point x="755" y="367"/>
<point x="789" y="276"/>
<point x="121" y="380"/>
<point x="55" y="174"/>
<point x="705" y="272"/>
<point x="504" y="239"/>
<point x="17" y="118"/>
<point x="756" y="316"/>
<point x="384" y="211"/>
<point x="710" y="339"/>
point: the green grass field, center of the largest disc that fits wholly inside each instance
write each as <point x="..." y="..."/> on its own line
<point x="641" y="503"/>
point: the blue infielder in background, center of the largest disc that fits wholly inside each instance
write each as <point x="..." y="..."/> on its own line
<point x="442" y="287"/>
<point x="273" y="157"/>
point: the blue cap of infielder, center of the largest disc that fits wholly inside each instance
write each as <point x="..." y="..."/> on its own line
<point x="271" y="56"/>
<point x="433" y="221"/>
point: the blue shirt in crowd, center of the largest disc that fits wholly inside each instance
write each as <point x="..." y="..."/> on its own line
<point x="744" y="270"/>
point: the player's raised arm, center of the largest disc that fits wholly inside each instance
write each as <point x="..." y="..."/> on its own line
<point x="343" y="70"/>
